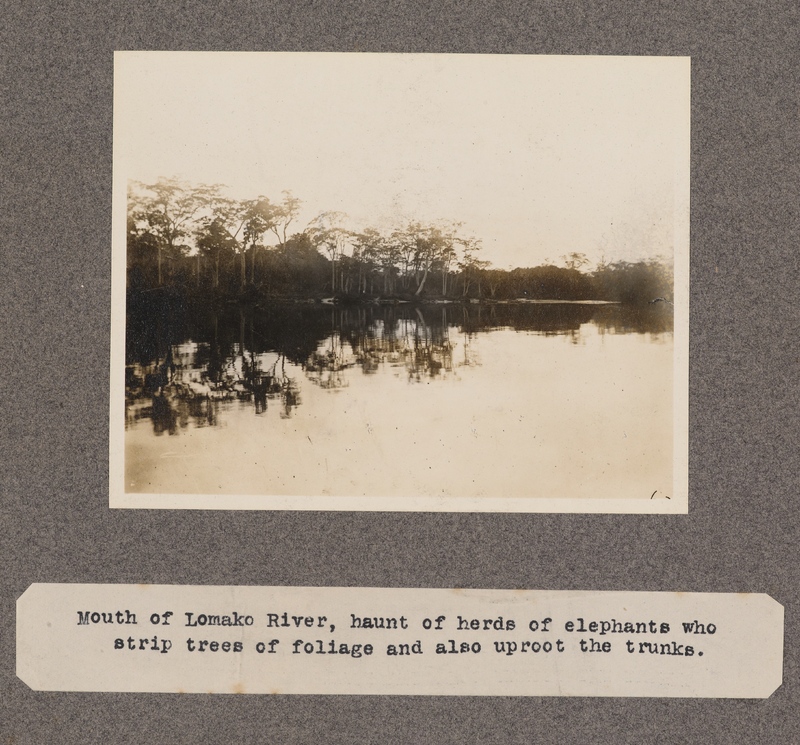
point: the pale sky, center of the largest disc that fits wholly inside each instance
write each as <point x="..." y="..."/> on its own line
<point x="538" y="156"/>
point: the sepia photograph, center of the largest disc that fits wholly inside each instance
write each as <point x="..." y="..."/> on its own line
<point x="418" y="282"/>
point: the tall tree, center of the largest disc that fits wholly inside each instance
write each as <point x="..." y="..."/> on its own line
<point x="327" y="234"/>
<point x="283" y="215"/>
<point x="404" y="247"/>
<point x="575" y="260"/>
<point x="448" y="254"/>
<point x="167" y="209"/>
<point x="214" y="241"/>
<point x="471" y="266"/>
<point x="369" y="250"/>
<point x="232" y="216"/>
<point x="260" y="216"/>
<point x="431" y="246"/>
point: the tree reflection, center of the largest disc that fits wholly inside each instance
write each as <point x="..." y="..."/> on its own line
<point x="326" y="366"/>
<point x="186" y="368"/>
<point x="195" y="380"/>
<point x="370" y="341"/>
<point x="432" y="351"/>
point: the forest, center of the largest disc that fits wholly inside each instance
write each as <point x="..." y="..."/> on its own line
<point x="196" y="242"/>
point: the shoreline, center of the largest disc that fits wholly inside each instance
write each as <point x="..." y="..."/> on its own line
<point x="344" y="300"/>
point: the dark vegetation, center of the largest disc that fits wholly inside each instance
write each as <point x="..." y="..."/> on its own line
<point x="193" y="244"/>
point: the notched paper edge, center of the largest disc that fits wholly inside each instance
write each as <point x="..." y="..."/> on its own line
<point x="760" y="608"/>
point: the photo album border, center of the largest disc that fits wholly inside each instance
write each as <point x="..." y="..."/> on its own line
<point x="400" y="282"/>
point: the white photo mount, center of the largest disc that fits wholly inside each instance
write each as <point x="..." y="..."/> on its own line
<point x="536" y="156"/>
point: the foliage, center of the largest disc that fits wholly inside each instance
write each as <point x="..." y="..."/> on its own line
<point x="195" y="239"/>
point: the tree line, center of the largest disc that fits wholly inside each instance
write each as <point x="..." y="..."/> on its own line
<point x="197" y="240"/>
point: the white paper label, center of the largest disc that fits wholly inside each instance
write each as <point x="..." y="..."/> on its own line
<point x="323" y="640"/>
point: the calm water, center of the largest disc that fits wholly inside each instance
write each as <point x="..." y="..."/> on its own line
<point x="505" y="400"/>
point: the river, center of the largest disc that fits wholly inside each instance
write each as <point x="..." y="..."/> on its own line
<point x="551" y="400"/>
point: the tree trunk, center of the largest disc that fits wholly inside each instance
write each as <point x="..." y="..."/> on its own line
<point x="422" y="283"/>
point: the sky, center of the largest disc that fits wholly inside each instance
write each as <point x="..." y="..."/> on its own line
<point x="537" y="156"/>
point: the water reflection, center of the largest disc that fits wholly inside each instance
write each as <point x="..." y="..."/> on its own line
<point x="186" y="368"/>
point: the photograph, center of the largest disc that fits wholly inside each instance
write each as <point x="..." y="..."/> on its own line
<point x="403" y="282"/>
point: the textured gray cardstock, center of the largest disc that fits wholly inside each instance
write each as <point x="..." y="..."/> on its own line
<point x="739" y="536"/>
